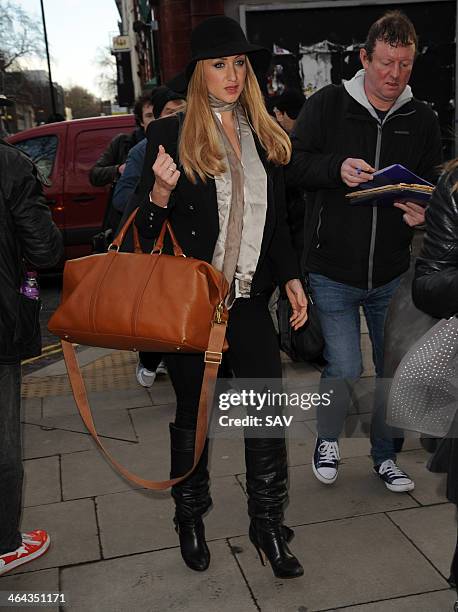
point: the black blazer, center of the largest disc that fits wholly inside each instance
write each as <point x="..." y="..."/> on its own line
<point x="193" y="213"/>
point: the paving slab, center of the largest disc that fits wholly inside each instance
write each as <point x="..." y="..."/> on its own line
<point x="152" y="422"/>
<point x="33" y="582"/>
<point x="301" y="445"/>
<point x="162" y="392"/>
<point x="427" y="602"/>
<point x="357" y="491"/>
<point x="73" y="530"/>
<point x="86" y="355"/>
<point x="158" y="581"/>
<point x="120" y="399"/>
<point x="41" y="481"/>
<point x="111" y="423"/>
<point x="31" y="408"/>
<point x="433" y="530"/>
<point x="226" y="456"/>
<point x="40" y="442"/>
<point x="429" y="487"/>
<point x="135" y="521"/>
<point x="88" y="473"/>
<point x="367" y="559"/>
<point x="229" y="514"/>
<point x="140" y="521"/>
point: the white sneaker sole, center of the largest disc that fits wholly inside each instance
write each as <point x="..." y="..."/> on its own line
<point x="321" y="478"/>
<point x="144" y="383"/>
<point x="147" y="383"/>
<point x="400" y="488"/>
<point x="31" y="557"/>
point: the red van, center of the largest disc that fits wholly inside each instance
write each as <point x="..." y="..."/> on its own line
<point x="65" y="153"/>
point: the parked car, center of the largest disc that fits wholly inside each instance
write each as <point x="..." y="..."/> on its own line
<point x="64" y="153"/>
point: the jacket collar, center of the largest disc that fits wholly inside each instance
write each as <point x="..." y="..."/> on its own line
<point x="355" y="89"/>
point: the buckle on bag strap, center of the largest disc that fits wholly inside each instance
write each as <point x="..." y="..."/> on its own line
<point x="213" y="357"/>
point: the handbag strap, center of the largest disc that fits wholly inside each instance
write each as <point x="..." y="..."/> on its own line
<point x="212" y="357"/>
<point x="159" y="244"/>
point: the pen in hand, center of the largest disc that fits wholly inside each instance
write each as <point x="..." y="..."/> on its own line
<point x="353" y="172"/>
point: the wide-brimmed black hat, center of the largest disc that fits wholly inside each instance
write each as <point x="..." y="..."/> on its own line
<point x="220" y="36"/>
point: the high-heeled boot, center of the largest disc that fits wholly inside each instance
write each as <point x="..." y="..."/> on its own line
<point x="192" y="498"/>
<point x="267" y="476"/>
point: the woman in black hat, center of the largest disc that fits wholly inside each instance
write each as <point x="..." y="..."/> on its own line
<point x="217" y="176"/>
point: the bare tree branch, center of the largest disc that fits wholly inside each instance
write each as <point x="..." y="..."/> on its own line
<point x="106" y="78"/>
<point x="20" y="35"/>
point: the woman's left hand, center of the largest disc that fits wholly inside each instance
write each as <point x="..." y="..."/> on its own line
<point x="298" y="301"/>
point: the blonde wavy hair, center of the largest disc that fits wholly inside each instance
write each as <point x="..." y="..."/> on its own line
<point x="200" y="149"/>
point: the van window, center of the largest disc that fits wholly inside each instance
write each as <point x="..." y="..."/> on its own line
<point x="90" y="144"/>
<point x="42" y="150"/>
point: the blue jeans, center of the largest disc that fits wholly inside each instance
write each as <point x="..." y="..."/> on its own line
<point x="338" y="306"/>
<point x="11" y="472"/>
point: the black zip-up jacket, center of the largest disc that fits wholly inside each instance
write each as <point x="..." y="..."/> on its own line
<point x="105" y="169"/>
<point x="362" y="246"/>
<point x="26" y="231"/>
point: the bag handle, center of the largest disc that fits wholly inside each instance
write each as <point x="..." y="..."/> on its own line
<point x="117" y="242"/>
<point x="212" y="357"/>
<point x="159" y="244"/>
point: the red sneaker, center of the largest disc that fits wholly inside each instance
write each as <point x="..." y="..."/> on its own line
<point x="34" y="544"/>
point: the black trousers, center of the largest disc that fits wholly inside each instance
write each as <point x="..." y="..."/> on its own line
<point x="253" y="353"/>
<point x="11" y="471"/>
<point x="150" y="360"/>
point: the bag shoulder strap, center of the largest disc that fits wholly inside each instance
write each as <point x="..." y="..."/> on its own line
<point x="212" y="358"/>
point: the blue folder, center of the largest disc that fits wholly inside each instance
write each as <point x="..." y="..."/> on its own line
<point x="392" y="184"/>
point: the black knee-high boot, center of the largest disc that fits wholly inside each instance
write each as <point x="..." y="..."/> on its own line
<point x="192" y="497"/>
<point x="267" y="477"/>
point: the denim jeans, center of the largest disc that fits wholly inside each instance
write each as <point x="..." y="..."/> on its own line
<point x="11" y="471"/>
<point x="338" y="306"/>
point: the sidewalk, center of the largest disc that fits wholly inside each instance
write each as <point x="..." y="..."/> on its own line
<point x="114" y="549"/>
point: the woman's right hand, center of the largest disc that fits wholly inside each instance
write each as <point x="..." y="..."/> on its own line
<point x="166" y="177"/>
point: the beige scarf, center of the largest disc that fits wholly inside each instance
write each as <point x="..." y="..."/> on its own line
<point x="242" y="204"/>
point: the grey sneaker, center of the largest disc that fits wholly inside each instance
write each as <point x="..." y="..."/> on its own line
<point x="145" y="377"/>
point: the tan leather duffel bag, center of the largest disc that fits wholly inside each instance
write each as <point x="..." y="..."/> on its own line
<point x="148" y="302"/>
